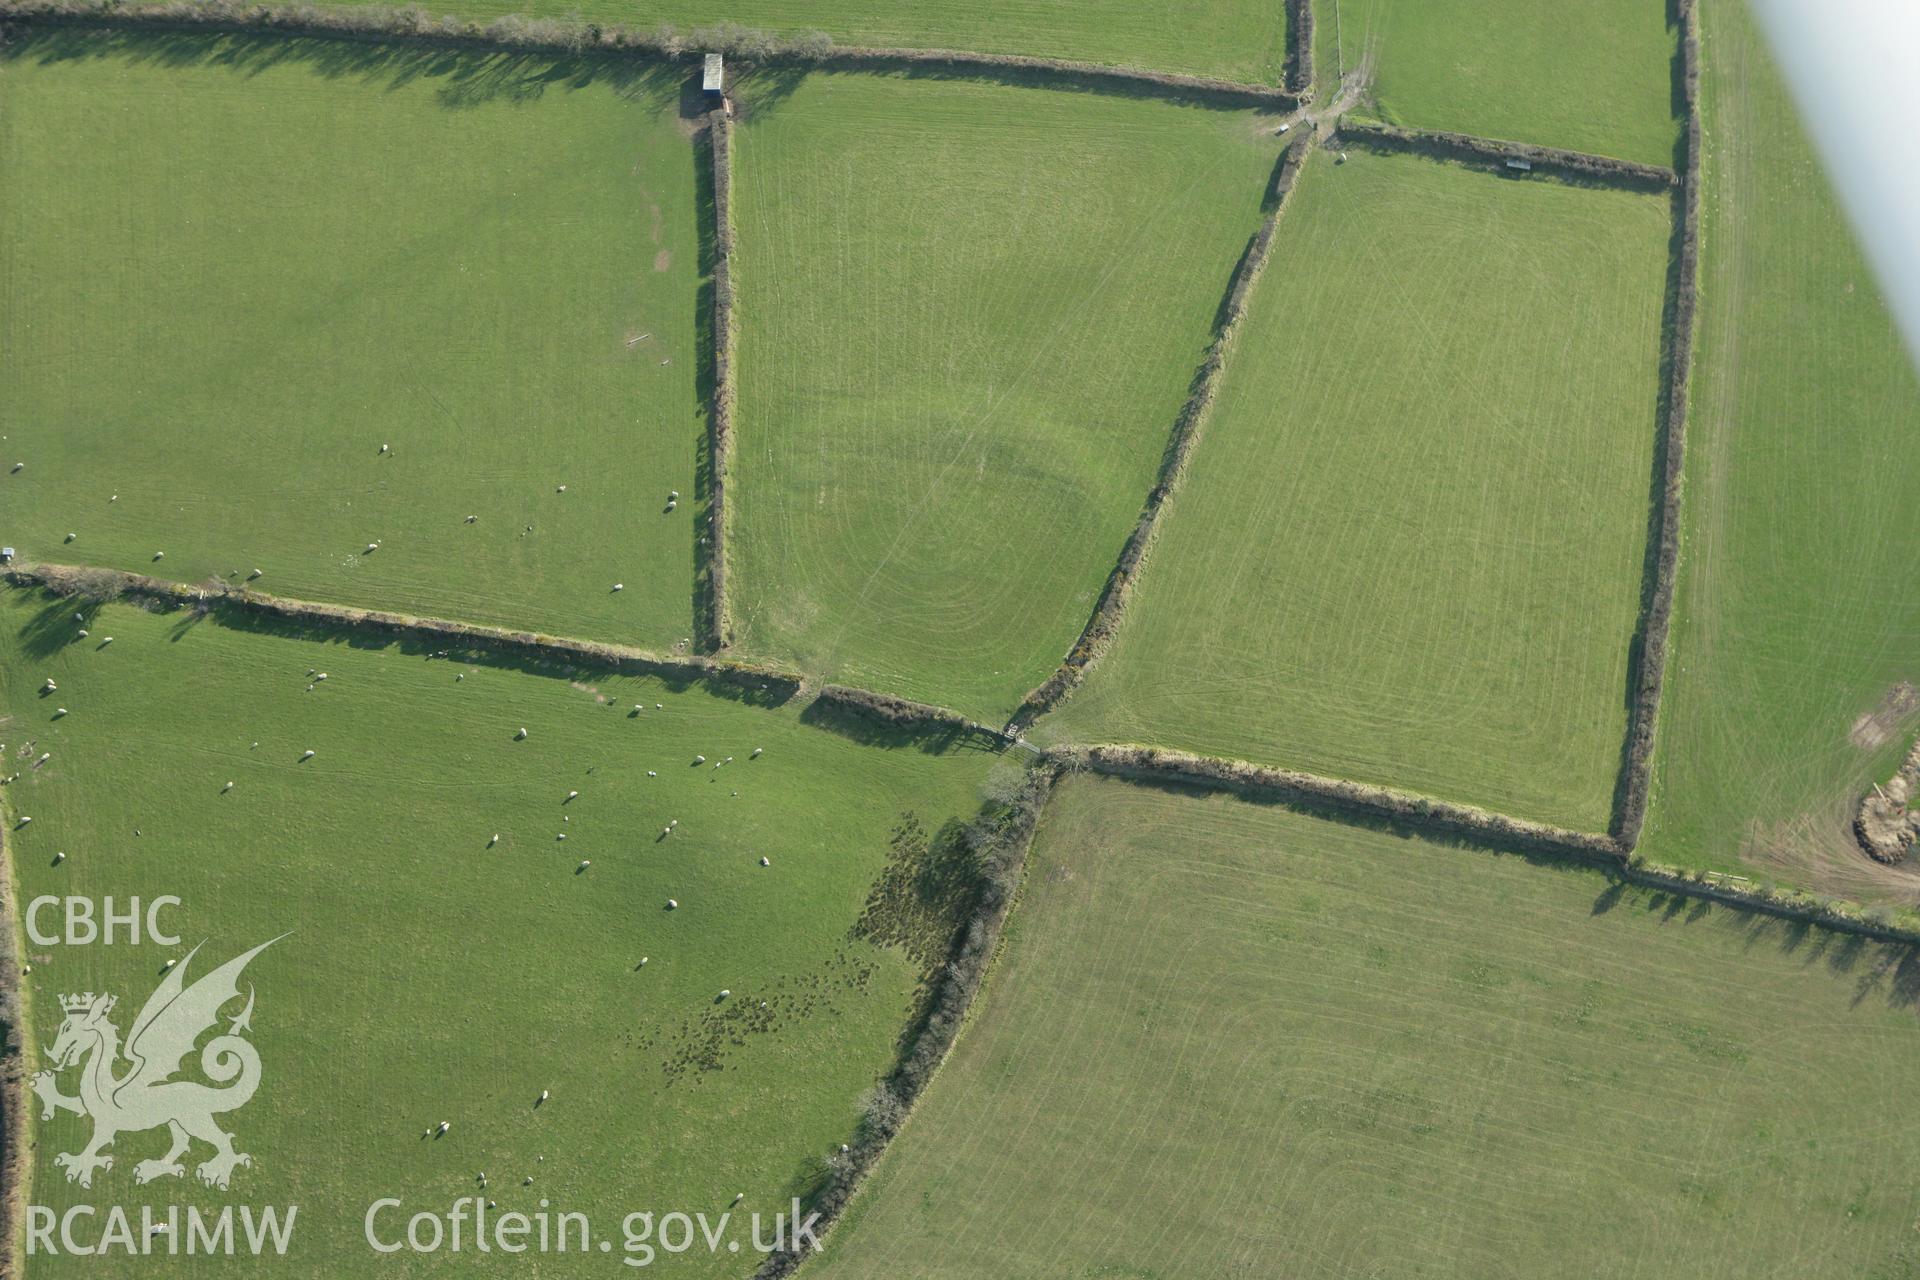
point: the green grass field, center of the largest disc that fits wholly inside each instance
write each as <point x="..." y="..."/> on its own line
<point x="1244" y="40"/>
<point x="1594" y="76"/>
<point x="430" y="976"/>
<point x="1409" y="547"/>
<point x="1795" y="614"/>
<point x="233" y="270"/>
<point x="969" y="315"/>
<point x="1225" y="1039"/>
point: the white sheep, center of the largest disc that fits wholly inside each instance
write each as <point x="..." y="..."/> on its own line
<point x="561" y="489"/>
<point x="673" y="904"/>
<point x="83" y="633"/>
<point x="372" y="547"/>
<point x="699" y="759"/>
<point x="72" y="536"/>
<point x="572" y="794"/>
<point x="756" y="753"/>
<point x="724" y="993"/>
<point x="471" y="519"/>
<point x="643" y="961"/>
<point x="228" y="787"/>
<point x="584" y="864"/>
<point x="59" y="857"/>
<point x="385" y="449"/>
<point x="766" y="862"/>
<point x="159" y="555"/>
<point x="652" y="774"/>
<point x="619" y="586"/>
<point x="543" y="1095"/>
<point x="308" y="754"/>
<point x="251" y="576"/>
<point x="494" y="841"/>
<point x="49" y="686"/>
<point x="444" y="1126"/>
<point x="523" y="733"/>
<point x="105" y="641"/>
<point x="58" y="712"/>
<point x="321" y="676"/>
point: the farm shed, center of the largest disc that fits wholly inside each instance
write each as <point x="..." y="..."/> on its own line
<point x="713" y="75"/>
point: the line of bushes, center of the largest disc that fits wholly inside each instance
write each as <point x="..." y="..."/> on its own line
<point x="1300" y="59"/>
<point x="998" y="840"/>
<point x="1650" y="650"/>
<point x="889" y="712"/>
<point x="1345" y="798"/>
<point x="101" y="585"/>
<point x="1833" y="913"/>
<point x="1107" y="611"/>
<point x="574" y="36"/>
<point x="13" y="1093"/>
<point x="720" y="417"/>
<point x="1574" y="165"/>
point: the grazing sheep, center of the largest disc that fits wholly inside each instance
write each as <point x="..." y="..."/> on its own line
<point x="643" y="961"/>
<point x="19" y="467"/>
<point x="527" y="1181"/>
<point x="673" y="904"/>
<point x="168" y="965"/>
<point x="561" y="836"/>
<point x="543" y="1095"/>
<point x="49" y="686"/>
<point x="494" y="841"/>
<point x="672" y="505"/>
<point x="766" y="862"/>
<point x="699" y="759"/>
<point x="523" y="733"/>
<point x="444" y="1126"/>
<point x="673" y="495"/>
<point x="572" y="794"/>
<point x="251" y="576"/>
<point x="724" y="993"/>
<point x="371" y="548"/>
<point x="58" y="712"/>
<point x="321" y="676"/>
<point x="227" y="788"/>
<point x="159" y="555"/>
<point x="471" y="519"/>
<point x="561" y="489"/>
<point x="105" y="641"/>
<point x="652" y="774"/>
<point x="756" y="753"/>
<point x="72" y="536"/>
<point x="59" y="857"/>
<point x="738" y="1196"/>
<point x="659" y="706"/>
<point x="83" y="633"/>
<point x="307" y="754"/>
<point x="385" y="449"/>
<point x="619" y="586"/>
<point x="584" y="864"/>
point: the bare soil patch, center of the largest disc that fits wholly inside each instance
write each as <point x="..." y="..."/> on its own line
<point x="1876" y="728"/>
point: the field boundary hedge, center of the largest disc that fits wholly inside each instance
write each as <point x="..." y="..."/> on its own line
<point x="1429" y="818"/>
<point x="1107" y="611"/>
<point x="13" y="1035"/>
<point x="1649" y="659"/>
<point x="1000" y="843"/>
<point x="889" y="712"/>
<point x="572" y="36"/>
<point x="1575" y="166"/>
<point x="1300" y="40"/>
<point x="1159" y="764"/>
<point x="108" y="584"/>
<point x="719" y="620"/>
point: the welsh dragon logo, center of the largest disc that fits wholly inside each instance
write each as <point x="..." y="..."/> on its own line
<point x="146" y="1095"/>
